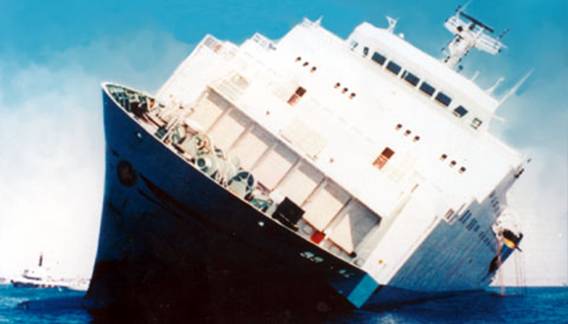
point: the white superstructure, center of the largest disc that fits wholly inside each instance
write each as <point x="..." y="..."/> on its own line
<point x="364" y="148"/>
<point x="402" y="137"/>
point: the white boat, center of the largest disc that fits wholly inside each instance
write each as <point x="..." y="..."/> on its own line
<point x="356" y="171"/>
<point x="42" y="277"/>
<point x="37" y="277"/>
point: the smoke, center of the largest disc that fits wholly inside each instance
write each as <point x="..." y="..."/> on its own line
<point x="52" y="146"/>
<point x="536" y="124"/>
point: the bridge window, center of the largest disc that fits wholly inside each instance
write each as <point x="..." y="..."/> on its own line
<point x="460" y="111"/>
<point x="354" y="44"/>
<point x="383" y="158"/>
<point x="427" y="88"/>
<point x="378" y="58"/>
<point x="365" y="51"/>
<point x="300" y="92"/>
<point x="393" y="67"/>
<point x="475" y="123"/>
<point x="443" y="99"/>
<point x="410" y="78"/>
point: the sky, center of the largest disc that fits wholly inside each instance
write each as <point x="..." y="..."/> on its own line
<point x="55" y="54"/>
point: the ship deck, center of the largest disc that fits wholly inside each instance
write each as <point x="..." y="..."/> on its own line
<point x="189" y="141"/>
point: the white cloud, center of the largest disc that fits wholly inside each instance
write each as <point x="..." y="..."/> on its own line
<point x="536" y="124"/>
<point x="540" y="201"/>
<point x="52" y="146"/>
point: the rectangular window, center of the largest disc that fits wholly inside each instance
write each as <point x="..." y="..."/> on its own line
<point x="475" y="123"/>
<point x="427" y="88"/>
<point x="450" y="216"/>
<point x="383" y="158"/>
<point x="460" y="111"/>
<point x="393" y="67"/>
<point x="378" y="58"/>
<point x="365" y="51"/>
<point x="300" y="92"/>
<point x="411" y="78"/>
<point x="443" y="99"/>
<point x="353" y="44"/>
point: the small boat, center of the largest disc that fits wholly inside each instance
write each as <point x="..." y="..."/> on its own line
<point x="39" y="277"/>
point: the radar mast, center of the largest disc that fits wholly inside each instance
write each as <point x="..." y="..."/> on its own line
<point x="469" y="33"/>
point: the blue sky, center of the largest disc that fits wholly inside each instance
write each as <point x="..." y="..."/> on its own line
<point x="53" y="55"/>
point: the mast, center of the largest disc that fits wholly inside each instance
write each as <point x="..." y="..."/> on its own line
<point x="469" y="33"/>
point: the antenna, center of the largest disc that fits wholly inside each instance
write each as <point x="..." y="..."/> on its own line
<point x="503" y="33"/>
<point x="515" y="88"/>
<point x="493" y="87"/>
<point x="392" y="24"/>
<point x="469" y="32"/>
<point x="475" y="75"/>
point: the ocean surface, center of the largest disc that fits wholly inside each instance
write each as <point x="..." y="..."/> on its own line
<point x="530" y="305"/>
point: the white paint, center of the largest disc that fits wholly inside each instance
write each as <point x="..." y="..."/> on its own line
<point x="347" y="116"/>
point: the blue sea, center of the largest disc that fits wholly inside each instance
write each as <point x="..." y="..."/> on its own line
<point x="530" y="305"/>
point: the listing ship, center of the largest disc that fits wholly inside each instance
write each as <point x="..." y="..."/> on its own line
<point x="354" y="171"/>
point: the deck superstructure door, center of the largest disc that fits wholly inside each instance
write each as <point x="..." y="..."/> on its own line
<point x="300" y="182"/>
<point x="356" y="222"/>
<point x="228" y="129"/>
<point x="324" y="204"/>
<point x="251" y="147"/>
<point x="274" y="165"/>
<point x="208" y="110"/>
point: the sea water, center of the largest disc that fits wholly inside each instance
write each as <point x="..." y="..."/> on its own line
<point x="530" y="305"/>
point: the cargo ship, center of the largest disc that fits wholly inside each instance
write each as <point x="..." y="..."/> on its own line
<point x="357" y="172"/>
